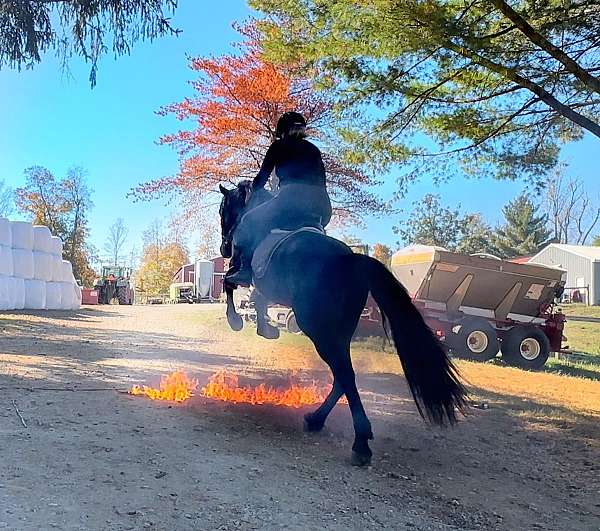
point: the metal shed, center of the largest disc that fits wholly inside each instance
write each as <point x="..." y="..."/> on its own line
<point x="582" y="263"/>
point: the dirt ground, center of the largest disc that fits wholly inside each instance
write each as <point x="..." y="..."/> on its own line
<point x="92" y="457"/>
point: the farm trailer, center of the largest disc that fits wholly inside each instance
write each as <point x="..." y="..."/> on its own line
<point x="481" y="305"/>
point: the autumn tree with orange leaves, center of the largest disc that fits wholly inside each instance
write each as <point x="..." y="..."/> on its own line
<point x="237" y="102"/>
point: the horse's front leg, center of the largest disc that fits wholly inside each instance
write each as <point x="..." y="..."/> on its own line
<point x="233" y="318"/>
<point x="263" y="327"/>
<point x="316" y="420"/>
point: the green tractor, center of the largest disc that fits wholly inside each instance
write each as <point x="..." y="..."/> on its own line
<point x="114" y="284"/>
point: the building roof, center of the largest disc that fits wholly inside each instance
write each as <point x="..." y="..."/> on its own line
<point x="591" y="252"/>
<point x="521" y="259"/>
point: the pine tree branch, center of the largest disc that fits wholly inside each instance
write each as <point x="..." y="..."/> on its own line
<point x="534" y="36"/>
<point x="539" y="91"/>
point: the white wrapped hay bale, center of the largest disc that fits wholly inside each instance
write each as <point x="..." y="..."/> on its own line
<point x="77" y="297"/>
<point x="42" y="239"/>
<point x="56" y="246"/>
<point x="35" y="294"/>
<point x="4" y="293"/>
<point x="66" y="272"/>
<point x="56" y="268"/>
<point x="6" y="261"/>
<point x="11" y="292"/>
<point x="67" y="296"/>
<point x="43" y="266"/>
<point x="23" y="263"/>
<point x="5" y="233"/>
<point x="19" y="293"/>
<point x="22" y="235"/>
<point x="53" y="296"/>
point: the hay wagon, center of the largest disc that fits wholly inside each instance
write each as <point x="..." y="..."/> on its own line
<point x="481" y="305"/>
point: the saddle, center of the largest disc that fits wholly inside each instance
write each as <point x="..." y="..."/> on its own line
<point x="266" y="249"/>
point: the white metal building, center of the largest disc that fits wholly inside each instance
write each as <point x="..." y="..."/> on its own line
<point x="582" y="263"/>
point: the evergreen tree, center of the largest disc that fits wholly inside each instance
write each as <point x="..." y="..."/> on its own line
<point x="476" y="237"/>
<point x="88" y="28"/>
<point x="525" y="231"/>
<point x="431" y="223"/>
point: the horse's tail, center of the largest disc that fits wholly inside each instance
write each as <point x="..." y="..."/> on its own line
<point x="432" y="377"/>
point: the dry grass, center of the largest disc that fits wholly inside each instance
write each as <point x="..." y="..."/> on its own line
<point x="581" y="310"/>
<point x="583" y="337"/>
<point x="578" y="394"/>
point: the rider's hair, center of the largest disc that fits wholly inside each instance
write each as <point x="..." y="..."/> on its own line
<point x="291" y="125"/>
<point x="296" y="131"/>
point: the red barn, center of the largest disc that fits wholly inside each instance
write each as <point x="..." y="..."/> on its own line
<point x="187" y="273"/>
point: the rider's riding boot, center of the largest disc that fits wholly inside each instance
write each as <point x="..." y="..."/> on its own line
<point x="243" y="276"/>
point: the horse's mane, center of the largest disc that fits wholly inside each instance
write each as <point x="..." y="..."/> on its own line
<point x="252" y="197"/>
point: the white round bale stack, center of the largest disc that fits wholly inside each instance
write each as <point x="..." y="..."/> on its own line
<point x="33" y="274"/>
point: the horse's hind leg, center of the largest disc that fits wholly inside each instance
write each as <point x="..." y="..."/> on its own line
<point x="343" y="372"/>
<point x="337" y="356"/>
<point x="233" y="318"/>
<point x="263" y="328"/>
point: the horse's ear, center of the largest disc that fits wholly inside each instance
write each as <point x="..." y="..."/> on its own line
<point x="248" y="190"/>
<point x="223" y="190"/>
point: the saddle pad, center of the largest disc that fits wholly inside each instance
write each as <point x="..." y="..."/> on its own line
<point x="264" y="252"/>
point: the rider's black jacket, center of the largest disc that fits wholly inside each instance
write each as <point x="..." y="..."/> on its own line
<point x="295" y="160"/>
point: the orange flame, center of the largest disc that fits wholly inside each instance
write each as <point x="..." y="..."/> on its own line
<point x="176" y="386"/>
<point x="225" y="386"/>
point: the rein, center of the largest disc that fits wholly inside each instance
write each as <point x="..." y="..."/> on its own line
<point x="249" y="195"/>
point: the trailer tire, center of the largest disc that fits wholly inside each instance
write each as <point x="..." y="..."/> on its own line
<point x="475" y="339"/>
<point x="526" y="347"/>
<point x="291" y="325"/>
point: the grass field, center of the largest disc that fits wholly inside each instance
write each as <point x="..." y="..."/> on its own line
<point x="581" y="310"/>
<point x="583" y="337"/>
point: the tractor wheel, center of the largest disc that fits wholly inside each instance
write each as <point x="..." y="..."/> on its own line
<point x="526" y="347"/>
<point x="100" y="294"/>
<point x="475" y="339"/>
<point x="122" y="296"/>
<point x="291" y="325"/>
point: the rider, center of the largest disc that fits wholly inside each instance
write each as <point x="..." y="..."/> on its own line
<point x="302" y="192"/>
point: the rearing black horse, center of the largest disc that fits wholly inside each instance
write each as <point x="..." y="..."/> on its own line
<point x="327" y="285"/>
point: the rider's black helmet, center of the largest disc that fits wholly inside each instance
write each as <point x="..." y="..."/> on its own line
<point x="291" y="124"/>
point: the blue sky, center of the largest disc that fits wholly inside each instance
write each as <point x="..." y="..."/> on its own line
<point x="55" y="120"/>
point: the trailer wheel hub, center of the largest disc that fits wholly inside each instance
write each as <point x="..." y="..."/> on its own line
<point x="477" y="341"/>
<point x="530" y="348"/>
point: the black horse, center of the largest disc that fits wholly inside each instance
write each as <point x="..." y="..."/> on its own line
<point x="327" y="285"/>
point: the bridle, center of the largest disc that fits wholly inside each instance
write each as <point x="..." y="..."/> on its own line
<point x="227" y="238"/>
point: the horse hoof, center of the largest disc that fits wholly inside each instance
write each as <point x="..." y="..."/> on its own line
<point x="360" y="459"/>
<point x="268" y="332"/>
<point x="310" y="426"/>
<point x="235" y="321"/>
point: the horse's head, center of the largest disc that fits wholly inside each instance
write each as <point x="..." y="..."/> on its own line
<point x="233" y="205"/>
